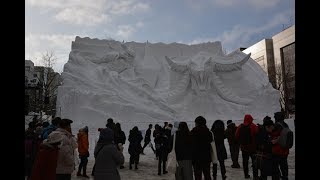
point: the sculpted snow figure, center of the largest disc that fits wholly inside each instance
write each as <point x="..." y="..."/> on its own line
<point x="143" y="82"/>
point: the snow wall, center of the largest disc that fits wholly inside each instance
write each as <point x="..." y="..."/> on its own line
<point x="151" y="83"/>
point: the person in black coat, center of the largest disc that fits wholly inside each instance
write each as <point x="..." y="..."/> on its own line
<point x="120" y="138"/>
<point x="219" y="136"/>
<point x="201" y="156"/>
<point x="264" y="149"/>
<point x="183" y="149"/>
<point x="147" y="139"/>
<point x="233" y="143"/>
<point x="135" y="148"/>
<point x="162" y="149"/>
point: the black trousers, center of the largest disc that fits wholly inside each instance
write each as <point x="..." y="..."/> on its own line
<point x="83" y="164"/>
<point x="201" y="167"/>
<point x="63" y="176"/>
<point x="245" y="163"/>
<point x="146" y="144"/>
<point x="134" y="159"/>
<point x="222" y="168"/>
<point x="234" y="151"/>
<point x="162" y="160"/>
<point x="282" y="162"/>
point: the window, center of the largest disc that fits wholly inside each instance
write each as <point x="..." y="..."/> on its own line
<point x="35" y="75"/>
<point x="27" y="68"/>
<point x="33" y="80"/>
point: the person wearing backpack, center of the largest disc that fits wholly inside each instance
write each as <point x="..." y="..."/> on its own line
<point x="280" y="149"/>
<point x="245" y="134"/>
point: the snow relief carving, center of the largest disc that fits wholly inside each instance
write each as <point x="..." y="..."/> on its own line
<point x="161" y="82"/>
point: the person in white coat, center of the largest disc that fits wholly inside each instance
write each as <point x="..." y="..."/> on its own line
<point x="66" y="158"/>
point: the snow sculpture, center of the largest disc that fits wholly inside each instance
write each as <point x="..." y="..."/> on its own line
<point x="145" y="82"/>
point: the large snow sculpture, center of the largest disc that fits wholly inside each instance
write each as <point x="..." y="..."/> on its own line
<point x="134" y="82"/>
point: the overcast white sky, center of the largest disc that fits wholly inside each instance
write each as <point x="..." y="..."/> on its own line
<point x="51" y="25"/>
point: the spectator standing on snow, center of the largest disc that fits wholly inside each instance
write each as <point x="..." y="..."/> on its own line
<point x="135" y="148"/>
<point x="46" y="162"/>
<point x="83" y="149"/>
<point x="162" y="149"/>
<point x="107" y="157"/>
<point x="234" y="145"/>
<point x="264" y="160"/>
<point x="52" y="127"/>
<point x="246" y="133"/>
<point x="280" y="154"/>
<point x="66" y="158"/>
<point x="120" y="138"/>
<point x="30" y="146"/>
<point x="183" y="149"/>
<point x="219" y="136"/>
<point x="156" y="132"/>
<point x="202" y="138"/>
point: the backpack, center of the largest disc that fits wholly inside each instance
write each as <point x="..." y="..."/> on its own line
<point x="245" y="135"/>
<point x="286" y="137"/>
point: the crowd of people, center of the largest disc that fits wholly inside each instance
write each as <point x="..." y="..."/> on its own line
<point x="50" y="149"/>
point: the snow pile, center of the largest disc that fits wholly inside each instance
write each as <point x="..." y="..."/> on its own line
<point x="139" y="83"/>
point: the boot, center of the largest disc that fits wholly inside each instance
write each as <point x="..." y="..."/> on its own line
<point x="130" y="166"/>
<point x="78" y="173"/>
<point x="136" y="166"/>
<point x="85" y="172"/>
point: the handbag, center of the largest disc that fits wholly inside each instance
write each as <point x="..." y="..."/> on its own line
<point x="172" y="154"/>
<point x="214" y="157"/>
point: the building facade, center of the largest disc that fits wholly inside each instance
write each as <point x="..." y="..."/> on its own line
<point x="40" y="88"/>
<point x="276" y="56"/>
<point x="262" y="53"/>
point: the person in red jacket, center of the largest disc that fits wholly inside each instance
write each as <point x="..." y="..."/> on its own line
<point x="248" y="150"/>
<point x="83" y="149"/>
<point x="46" y="161"/>
<point x="280" y="155"/>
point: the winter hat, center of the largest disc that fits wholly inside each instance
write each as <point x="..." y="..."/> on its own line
<point x="45" y="124"/>
<point x="279" y="116"/>
<point x="106" y="134"/>
<point x="65" y="122"/>
<point x="229" y="122"/>
<point x="54" y="138"/>
<point x="268" y="122"/>
<point x="85" y="129"/>
<point x="39" y="130"/>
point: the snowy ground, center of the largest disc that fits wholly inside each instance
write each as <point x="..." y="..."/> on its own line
<point x="148" y="165"/>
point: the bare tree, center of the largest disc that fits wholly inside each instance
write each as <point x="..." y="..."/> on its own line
<point x="281" y="78"/>
<point x="50" y="81"/>
<point x="48" y="59"/>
